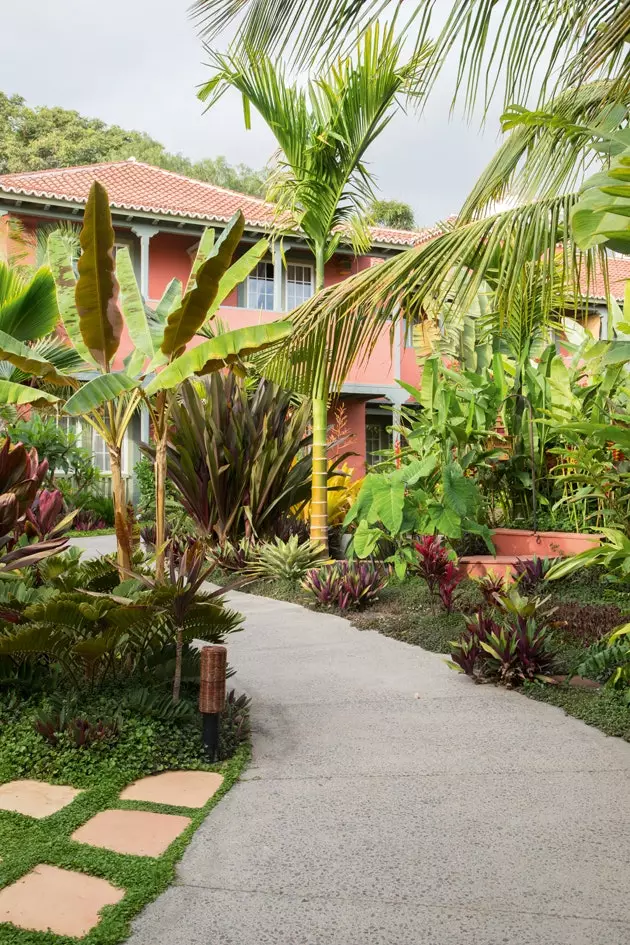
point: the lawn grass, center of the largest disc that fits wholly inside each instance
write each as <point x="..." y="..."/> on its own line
<point x="93" y="533"/>
<point x="101" y="771"/>
<point x="603" y="708"/>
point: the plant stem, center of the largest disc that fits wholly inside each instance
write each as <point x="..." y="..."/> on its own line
<point x="177" y="678"/>
<point x="121" y="523"/>
<point x="160" y="485"/>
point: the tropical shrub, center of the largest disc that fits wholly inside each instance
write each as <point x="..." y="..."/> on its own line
<point x="285" y="560"/>
<point x="510" y="645"/>
<point x="434" y="566"/>
<point x="238" y="459"/>
<point x="345" y="584"/>
<point x="416" y="498"/>
<point x="609" y="661"/>
<point x="342" y="492"/>
<point x="530" y="572"/>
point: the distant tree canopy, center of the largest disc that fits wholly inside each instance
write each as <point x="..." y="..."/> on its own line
<point x="393" y="213"/>
<point x="33" y="139"/>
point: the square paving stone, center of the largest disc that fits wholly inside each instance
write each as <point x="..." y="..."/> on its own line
<point x="35" y="798"/>
<point x="49" y="899"/>
<point x="178" y="788"/>
<point x="139" y="832"/>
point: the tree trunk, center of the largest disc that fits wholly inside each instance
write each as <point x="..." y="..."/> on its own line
<point x="160" y="485"/>
<point x="319" y="474"/>
<point x="160" y="506"/>
<point x="177" y="678"/>
<point x="319" y="481"/>
<point x="121" y="522"/>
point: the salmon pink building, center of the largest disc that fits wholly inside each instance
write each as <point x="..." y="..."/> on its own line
<point x="160" y="216"/>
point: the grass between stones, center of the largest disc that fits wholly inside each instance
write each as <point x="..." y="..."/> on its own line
<point x="25" y="842"/>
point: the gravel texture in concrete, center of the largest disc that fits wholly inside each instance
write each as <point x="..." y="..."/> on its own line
<point x="391" y="801"/>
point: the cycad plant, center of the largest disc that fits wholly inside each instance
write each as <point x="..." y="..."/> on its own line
<point x="322" y="186"/>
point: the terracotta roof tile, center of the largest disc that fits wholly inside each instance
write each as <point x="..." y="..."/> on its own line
<point x="618" y="273"/>
<point x="133" y="185"/>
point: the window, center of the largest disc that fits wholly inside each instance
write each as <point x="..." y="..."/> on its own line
<point x="260" y="287"/>
<point x="377" y="437"/>
<point x="299" y="284"/>
<point x="100" y="453"/>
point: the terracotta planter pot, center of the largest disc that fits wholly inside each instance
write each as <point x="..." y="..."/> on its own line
<point x="525" y="544"/>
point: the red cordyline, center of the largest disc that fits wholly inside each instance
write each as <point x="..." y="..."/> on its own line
<point x="437" y="569"/>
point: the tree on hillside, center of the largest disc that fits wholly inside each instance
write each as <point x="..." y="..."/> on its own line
<point x="33" y="139"/>
<point x="393" y="213"/>
<point x="322" y="183"/>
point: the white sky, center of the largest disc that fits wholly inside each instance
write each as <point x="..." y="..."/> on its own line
<point x="137" y="63"/>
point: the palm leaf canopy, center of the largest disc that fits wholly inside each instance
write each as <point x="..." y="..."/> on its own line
<point x="28" y="306"/>
<point x="512" y="47"/>
<point x="322" y="183"/>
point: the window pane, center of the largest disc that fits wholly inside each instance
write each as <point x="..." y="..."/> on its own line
<point x="100" y="453"/>
<point x="260" y="287"/>
<point x="299" y="284"/>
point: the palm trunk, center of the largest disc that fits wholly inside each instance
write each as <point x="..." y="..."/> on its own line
<point x="319" y="475"/>
<point x="121" y="522"/>
<point x="177" y="678"/>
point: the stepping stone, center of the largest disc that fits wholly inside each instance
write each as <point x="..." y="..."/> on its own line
<point x="49" y="899"/>
<point x="139" y="832"/>
<point x="178" y="788"/>
<point x="35" y="798"/>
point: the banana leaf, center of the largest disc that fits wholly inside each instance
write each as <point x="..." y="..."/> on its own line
<point x="218" y="352"/>
<point x="133" y="304"/>
<point x="27" y="360"/>
<point x="206" y="245"/>
<point x="18" y="394"/>
<point x="100" y="318"/>
<point x="60" y="262"/>
<point x="186" y="320"/>
<point x="100" y="390"/>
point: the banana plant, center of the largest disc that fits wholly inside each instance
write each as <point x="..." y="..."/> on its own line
<point x="96" y="307"/>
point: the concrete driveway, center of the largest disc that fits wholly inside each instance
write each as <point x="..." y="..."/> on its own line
<point x="392" y="802"/>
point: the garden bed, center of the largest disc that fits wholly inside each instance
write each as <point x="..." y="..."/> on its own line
<point x="101" y="771"/>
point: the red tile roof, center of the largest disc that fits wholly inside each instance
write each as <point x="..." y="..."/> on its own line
<point x="618" y="273"/>
<point x="135" y="186"/>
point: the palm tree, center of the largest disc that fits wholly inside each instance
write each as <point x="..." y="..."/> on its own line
<point x="575" y="53"/>
<point x="322" y="186"/>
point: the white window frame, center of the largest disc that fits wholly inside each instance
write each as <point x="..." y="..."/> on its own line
<point x="85" y="431"/>
<point x="304" y="266"/>
<point x="253" y="302"/>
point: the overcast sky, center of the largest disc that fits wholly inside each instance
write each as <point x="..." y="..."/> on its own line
<point x="137" y="63"/>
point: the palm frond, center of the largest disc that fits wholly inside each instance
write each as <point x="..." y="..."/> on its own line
<point x="350" y="317"/>
<point x="548" y="151"/>
<point x="506" y="49"/>
<point x="322" y="184"/>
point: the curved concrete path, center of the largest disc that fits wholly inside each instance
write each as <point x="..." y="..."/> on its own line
<point x="392" y="802"/>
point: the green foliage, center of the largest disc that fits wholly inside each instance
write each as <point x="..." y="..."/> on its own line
<point x="414" y="499"/>
<point x="39" y="138"/>
<point x="393" y="213"/>
<point x="63" y="453"/>
<point x="285" y="560"/>
<point x="238" y="457"/>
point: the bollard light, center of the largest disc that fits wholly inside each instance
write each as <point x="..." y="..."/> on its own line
<point x="212" y="695"/>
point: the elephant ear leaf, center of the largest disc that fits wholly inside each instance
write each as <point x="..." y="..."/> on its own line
<point x="100" y="319"/>
<point x="186" y="320"/>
